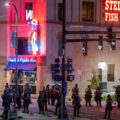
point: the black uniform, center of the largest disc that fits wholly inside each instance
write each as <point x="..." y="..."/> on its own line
<point x="77" y="105"/>
<point x="109" y="107"/>
<point x="40" y="103"/>
<point x="26" y="100"/>
<point x="6" y="97"/>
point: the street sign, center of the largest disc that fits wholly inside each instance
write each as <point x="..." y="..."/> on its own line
<point x="13" y="40"/>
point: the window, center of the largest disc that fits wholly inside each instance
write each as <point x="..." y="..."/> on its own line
<point x="88" y="11"/>
<point x="100" y="74"/>
<point x="29" y="11"/>
<point x="110" y="72"/>
<point x="60" y="11"/>
<point x="22" y="46"/>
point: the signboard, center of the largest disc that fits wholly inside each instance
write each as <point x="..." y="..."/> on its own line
<point x="112" y="10"/>
<point x="13" y="40"/>
<point x="22" y="60"/>
<point x="34" y="40"/>
<point x="29" y="11"/>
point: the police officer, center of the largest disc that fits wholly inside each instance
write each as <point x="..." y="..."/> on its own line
<point x="6" y="97"/>
<point x="48" y="94"/>
<point x="75" y="91"/>
<point x="77" y="105"/>
<point x="88" y="96"/>
<point x="53" y="95"/>
<point x="26" y="100"/>
<point x="109" y="107"/>
<point x="40" y="102"/>
<point x="58" y="102"/>
<point x="98" y="94"/>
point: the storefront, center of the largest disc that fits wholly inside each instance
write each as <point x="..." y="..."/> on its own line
<point x="27" y="72"/>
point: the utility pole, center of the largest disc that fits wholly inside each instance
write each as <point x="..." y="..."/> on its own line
<point x="63" y="63"/>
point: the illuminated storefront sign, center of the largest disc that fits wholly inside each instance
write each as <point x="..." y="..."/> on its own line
<point x="112" y="10"/>
<point x="34" y="45"/>
<point x="22" y="60"/>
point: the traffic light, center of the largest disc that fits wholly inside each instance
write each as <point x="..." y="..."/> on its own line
<point x="84" y="48"/>
<point x="57" y="65"/>
<point x="69" y="65"/>
<point x="70" y="78"/>
<point x="12" y="71"/>
<point x="57" y="77"/>
<point x="113" y="43"/>
<point x="109" y="35"/>
<point x="100" y="43"/>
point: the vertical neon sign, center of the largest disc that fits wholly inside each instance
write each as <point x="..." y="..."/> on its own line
<point x="34" y="38"/>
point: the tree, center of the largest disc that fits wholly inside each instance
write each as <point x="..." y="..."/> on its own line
<point x="94" y="81"/>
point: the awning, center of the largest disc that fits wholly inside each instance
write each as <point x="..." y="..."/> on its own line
<point x="24" y="67"/>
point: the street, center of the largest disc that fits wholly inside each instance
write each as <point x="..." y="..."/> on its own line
<point x="86" y="113"/>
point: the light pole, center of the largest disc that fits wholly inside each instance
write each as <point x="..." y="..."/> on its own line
<point x="16" y="54"/>
<point x="16" y="41"/>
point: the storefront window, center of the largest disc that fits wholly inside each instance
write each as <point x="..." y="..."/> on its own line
<point x="25" y="77"/>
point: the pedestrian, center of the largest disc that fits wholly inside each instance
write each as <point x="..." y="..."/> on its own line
<point x="14" y="95"/>
<point x="109" y="107"/>
<point x="28" y="89"/>
<point x="57" y="107"/>
<point x="7" y="87"/>
<point x="75" y="90"/>
<point x="98" y="97"/>
<point x="77" y="105"/>
<point x="40" y="102"/>
<point x="6" y="97"/>
<point x="18" y="99"/>
<point x="44" y="92"/>
<point x="26" y="101"/>
<point x="118" y="98"/>
<point x="53" y="95"/>
<point x="88" y="96"/>
<point x="48" y="94"/>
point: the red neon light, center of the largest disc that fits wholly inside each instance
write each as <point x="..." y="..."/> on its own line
<point x="34" y="22"/>
<point x="112" y="5"/>
<point x="11" y="71"/>
<point x="111" y="17"/>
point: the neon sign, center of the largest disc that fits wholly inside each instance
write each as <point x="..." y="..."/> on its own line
<point x="21" y="60"/>
<point x="29" y="14"/>
<point x="34" y="38"/>
<point x="112" y="9"/>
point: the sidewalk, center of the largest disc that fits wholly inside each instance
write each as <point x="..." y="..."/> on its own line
<point x="86" y="113"/>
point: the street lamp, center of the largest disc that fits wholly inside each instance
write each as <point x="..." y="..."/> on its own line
<point x="16" y="50"/>
<point x="16" y="41"/>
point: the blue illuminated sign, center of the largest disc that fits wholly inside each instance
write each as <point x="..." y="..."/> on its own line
<point x="21" y="60"/>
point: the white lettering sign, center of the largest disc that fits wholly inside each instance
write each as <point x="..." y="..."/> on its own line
<point x="21" y="60"/>
<point x="29" y="14"/>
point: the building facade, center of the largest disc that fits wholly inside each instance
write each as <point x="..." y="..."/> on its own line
<point x="34" y="64"/>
